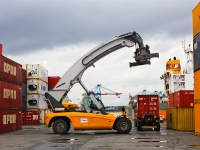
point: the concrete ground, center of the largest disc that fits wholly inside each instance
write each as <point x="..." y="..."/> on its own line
<point x="39" y="137"/>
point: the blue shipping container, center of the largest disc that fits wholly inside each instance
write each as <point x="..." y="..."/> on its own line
<point x="23" y="89"/>
<point x="196" y="47"/>
<point x="24" y="103"/>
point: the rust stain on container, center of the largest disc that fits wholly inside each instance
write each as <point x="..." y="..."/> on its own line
<point x="10" y="95"/>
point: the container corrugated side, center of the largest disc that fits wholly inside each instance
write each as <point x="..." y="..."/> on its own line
<point x="31" y="117"/>
<point x="52" y="81"/>
<point x="10" y="95"/>
<point x="24" y="76"/>
<point x="24" y="103"/>
<point x="147" y="104"/>
<point x="196" y="20"/>
<point x="36" y="71"/>
<point x="36" y="86"/>
<point x="11" y="120"/>
<point x="1" y="49"/>
<point x="10" y="71"/>
<point x="171" y="100"/>
<point x="196" y="47"/>
<point x="180" y="119"/>
<point x="184" y="98"/>
<point x="197" y="117"/>
<point x="36" y="101"/>
<point x="197" y="85"/>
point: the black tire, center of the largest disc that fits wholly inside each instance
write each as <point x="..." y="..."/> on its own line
<point x="138" y="128"/>
<point x="158" y="127"/>
<point x="123" y="125"/>
<point x="135" y="123"/>
<point x="60" y="126"/>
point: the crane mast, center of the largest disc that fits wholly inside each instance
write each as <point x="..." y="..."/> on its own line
<point x="74" y="74"/>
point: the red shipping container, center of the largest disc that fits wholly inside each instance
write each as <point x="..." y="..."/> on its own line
<point x="10" y="71"/>
<point x="10" y="120"/>
<point x="52" y="81"/>
<point x="10" y="95"/>
<point x="147" y="104"/>
<point x="171" y="100"/>
<point x="32" y="117"/>
<point x="24" y="77"/>
<point x="24" y="117"/>
<point x="184" y="98"/>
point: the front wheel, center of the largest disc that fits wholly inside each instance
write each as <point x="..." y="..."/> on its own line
<point x="123" y="125"/>
<point x="60" y="126"/>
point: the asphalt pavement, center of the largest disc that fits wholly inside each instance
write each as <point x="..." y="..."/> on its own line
<point x="39" y="137"/>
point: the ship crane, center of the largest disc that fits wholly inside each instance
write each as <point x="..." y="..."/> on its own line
<point x="99" y="90"/>
<point x="189" y="64"/>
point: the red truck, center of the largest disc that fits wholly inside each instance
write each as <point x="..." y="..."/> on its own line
<point x="147" y="112"/>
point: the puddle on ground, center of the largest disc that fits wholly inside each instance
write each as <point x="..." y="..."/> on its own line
<point x="160" y="146"/>
<point x="62" y="140"/>
<point x="195" y="145"/>
<point x="163" y="133"/>
<point x="144" y="138"/>
<point x="151" y="140"/>
<point x="154" y="141"/>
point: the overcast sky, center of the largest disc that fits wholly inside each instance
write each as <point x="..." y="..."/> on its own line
<point x="56" y="33"/>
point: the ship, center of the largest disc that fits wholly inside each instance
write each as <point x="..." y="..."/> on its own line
<point x="175" y="78"/>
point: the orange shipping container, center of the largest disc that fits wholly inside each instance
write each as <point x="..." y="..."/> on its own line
<point x="196" y="20"/>
<point x="163" y="113"/>
<point x="197" y="85"/>
<point x="197" y="118"/>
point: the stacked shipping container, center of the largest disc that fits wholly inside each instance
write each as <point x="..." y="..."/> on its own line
<point x="180" y="110"/>
<point x="196" y="47"/>
<point x="10" y="94"/>
<point x="37" y="85"/>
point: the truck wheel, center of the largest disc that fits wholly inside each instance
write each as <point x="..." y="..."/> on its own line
<point x="138" y="128"/>
<point x="123" y="125"/>
<point x="60" y="126"/>
<point x="135" y="123"/>
<point x="158" y="127"/>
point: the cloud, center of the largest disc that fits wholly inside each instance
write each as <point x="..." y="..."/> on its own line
<point x="57" y="34"/>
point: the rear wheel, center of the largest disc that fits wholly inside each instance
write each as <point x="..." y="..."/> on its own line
<point x="158" y="127"/>
<point x="135" y="123"/>
<point x="60" y="126"/>
<point x="123" y="125"/>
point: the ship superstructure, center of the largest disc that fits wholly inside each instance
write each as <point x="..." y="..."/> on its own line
<point x="174" y="78"/>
